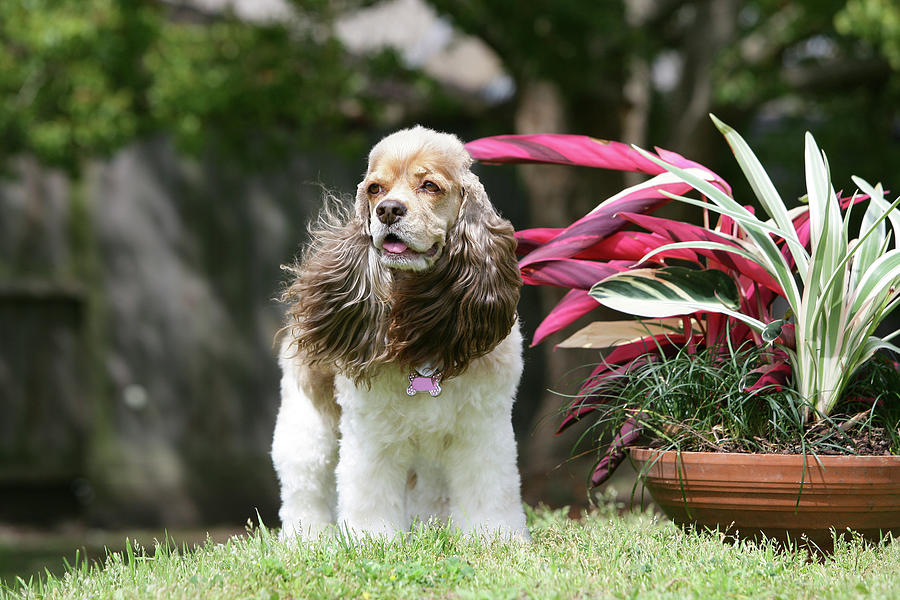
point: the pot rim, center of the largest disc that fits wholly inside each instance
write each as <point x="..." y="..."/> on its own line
<point x="642" y="453"/>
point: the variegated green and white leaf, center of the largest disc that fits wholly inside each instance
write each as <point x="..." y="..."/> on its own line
<point x="818" y="295"/>
<point x="653" y="183"/>
<point x="747" y="219"/>
<point x="824" y="214"/>
<point x="747" y="253"/>
<point x="757" y="231"/>
<point x="873" y="241"/>
<point x="891" y="336"/>
<point x="881" y="277"/>
<point x="876" y="198"/>
<point x="867" y="250"/>
<point x="671" y="291"/>
<point x="764" y="190"/>
<point x="872" y="345"/>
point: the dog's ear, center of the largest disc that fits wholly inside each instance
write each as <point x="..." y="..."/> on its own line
<point x="362" y="206"/>
<point x="464" y="306"/>
<point x="338" y="314"/>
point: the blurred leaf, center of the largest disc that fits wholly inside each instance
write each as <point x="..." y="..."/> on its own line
<point x="81" y="78"/>
<point x="877" y="21"/>
<point x="609" y="334"/>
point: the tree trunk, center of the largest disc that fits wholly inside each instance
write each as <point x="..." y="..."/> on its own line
<point x="551" y="190"/>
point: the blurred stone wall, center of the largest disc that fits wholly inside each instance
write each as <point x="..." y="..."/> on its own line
<point x="43" y="422"/>
<point x="177" y="263"/>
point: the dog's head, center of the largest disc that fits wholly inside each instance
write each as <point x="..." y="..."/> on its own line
<point x="423" y="272"/>
<point x="411" y="195"/>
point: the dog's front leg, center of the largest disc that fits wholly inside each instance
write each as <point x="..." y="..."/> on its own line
<point x="483" y="480"/>
<point x="304" y="450"/>
<point x="371" y="481"/>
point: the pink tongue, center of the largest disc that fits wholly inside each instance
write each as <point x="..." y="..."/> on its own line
<point x="394" y="247"/>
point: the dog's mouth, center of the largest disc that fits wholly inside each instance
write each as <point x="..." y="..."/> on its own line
<point x="392" y="245"/>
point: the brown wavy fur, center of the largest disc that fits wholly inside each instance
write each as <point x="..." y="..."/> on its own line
<point x="464" y="306"/>
<point x="339" y="306"/>
<point x="350" y="313"/>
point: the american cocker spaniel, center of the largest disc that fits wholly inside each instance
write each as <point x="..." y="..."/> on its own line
<point x="402" y="354"/>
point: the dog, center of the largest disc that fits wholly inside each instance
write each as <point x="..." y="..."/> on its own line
<point x="402" y="354"/>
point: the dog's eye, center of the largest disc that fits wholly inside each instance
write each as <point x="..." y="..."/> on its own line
<point x="431" y="187"/>
<point x="374" y="189"/>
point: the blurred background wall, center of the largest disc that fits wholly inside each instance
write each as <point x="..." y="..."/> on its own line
<point x="159" y="160"/>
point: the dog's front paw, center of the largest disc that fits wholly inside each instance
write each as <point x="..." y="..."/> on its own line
<point x="523" y="536"/>
<point x="299" y="531"/>
<point x="370" y="530"/>
<point x="503" y="534"/>
<point x="303" y="526"/>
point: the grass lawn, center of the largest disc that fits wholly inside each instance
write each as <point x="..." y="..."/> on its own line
<point x="601" y="556"/>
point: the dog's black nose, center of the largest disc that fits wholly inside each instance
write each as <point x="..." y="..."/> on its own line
<point x="390" y="211"/>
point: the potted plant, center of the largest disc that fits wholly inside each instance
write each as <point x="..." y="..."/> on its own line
<point x="785" y="310"/>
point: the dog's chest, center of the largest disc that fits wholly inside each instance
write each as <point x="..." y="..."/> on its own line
<point x="388" y="411"/>
<point x="388" y="405"/>
<point x="384" y="410"/>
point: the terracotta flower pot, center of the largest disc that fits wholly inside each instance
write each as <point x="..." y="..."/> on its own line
<point x="782" y="496"/>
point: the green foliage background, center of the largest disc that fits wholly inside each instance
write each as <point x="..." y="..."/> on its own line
<point x="81" y="78"/>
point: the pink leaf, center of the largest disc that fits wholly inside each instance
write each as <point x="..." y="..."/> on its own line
<point x="529" y="239"/>
<point x="572" y="307"/>
<point x="788" y="336"/>
<point x="574" y="414"/>
<point x="591" y="152"/>
<point x="715" y="328"/>
<point x="773" y="374"/>
<point x="848" y="200"/>
<point x="632" y="246"/>
<point x="650" y="344"/>
<point x="680" y="161"/>
<point x="602" y="222"/>
<point x="864" y="400"/>
<point x="571" y="272"/>
<point x="605" y="370"/>
<point x="590" y="395"/>
<point x="561" y="149"/>
<point x="629" y="433"/>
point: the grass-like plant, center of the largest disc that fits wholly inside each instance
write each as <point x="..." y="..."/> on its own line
<point x="710" y="400"/>
<point x="838" y="291"/>
<point x="698" y="400"/>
